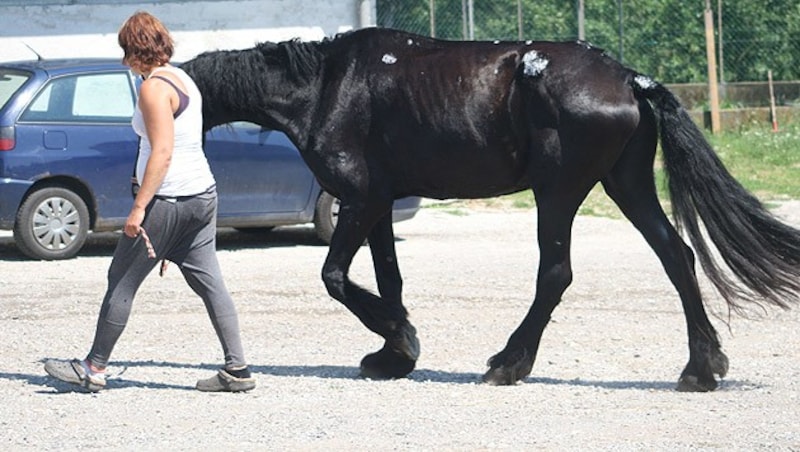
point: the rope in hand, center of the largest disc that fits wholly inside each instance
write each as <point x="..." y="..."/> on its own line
<point x="151" y="252"/>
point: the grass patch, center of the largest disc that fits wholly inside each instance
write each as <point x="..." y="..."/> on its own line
<point x="766" y="163"/>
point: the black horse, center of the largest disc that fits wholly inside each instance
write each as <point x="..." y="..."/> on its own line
<point x="380" y="114"/>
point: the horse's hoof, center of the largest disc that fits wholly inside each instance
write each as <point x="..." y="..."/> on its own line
<point x="699" y="376"/>
<point x="690" y="383"/>
<point x="386" y="364"/>
<point x="719" y="364"/>
<point x="508" y="368"/>
<point x="406" y="342"/>
<point x="498" y="377"/>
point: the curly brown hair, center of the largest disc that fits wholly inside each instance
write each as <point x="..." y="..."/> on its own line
<point x="145" y="41"/>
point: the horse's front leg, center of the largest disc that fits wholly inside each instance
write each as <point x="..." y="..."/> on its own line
<point x="400" y="352"/>
<point x="515" y="361"/>
<point x="386" y="317"/>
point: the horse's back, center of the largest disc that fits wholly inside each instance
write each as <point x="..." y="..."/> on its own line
<point x="444" y="83"/>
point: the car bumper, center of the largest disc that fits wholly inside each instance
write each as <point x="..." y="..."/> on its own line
<point x="405" y="208"/>
<point x="11" y="193"/>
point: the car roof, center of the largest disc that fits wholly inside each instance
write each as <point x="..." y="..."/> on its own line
<point x="65" y="65"/>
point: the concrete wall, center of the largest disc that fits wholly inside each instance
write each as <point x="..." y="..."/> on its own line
<point x="72" y="28"/>
<point x="740" y="94"/>
<point x="743" y="104"/>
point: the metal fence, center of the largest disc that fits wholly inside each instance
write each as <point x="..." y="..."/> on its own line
<point x="663" y="38"/>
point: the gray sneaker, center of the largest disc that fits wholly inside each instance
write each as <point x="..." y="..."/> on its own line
<point x="75" y="372"/>
<point x="225" y="382"/>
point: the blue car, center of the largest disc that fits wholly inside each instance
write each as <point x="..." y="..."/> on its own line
<point x="67" y="152"/>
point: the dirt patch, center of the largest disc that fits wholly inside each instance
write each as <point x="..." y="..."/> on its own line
<point x="603" y="380"/>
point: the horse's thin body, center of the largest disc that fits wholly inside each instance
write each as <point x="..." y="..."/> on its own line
<point x="380" y="114"/>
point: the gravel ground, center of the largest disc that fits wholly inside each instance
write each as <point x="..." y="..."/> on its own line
<point x="603" y="380"/>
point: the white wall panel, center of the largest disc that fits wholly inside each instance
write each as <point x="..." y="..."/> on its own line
<point x="60" y="28"/>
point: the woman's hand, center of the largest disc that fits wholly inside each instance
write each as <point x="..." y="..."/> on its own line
<point x="133" y="224"/>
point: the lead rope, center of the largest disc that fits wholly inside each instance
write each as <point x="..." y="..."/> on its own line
<point x="151" y="252"/>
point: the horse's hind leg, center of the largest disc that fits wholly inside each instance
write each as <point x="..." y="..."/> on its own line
<point x="555" y="217"/>
<point x="630" y="184"/>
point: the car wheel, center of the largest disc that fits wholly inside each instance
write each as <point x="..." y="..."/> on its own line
<point x="325" y="216"/>
<point x="52" y="223"/>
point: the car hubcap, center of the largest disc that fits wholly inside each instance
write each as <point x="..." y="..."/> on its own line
<point x="335" y="212"/>
<point x="56" y="223"/>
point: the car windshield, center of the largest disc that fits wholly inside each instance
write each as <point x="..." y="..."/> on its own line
<point x="10" y="81"/>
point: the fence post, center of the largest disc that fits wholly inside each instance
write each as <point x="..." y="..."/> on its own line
<point x="432" y="8"/>
<point x="711" y="54"/>
<point x="367" y="14"/>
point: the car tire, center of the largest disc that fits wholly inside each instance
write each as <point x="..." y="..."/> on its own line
<point x="52" y="223"/>
<point x="325" y="216"/>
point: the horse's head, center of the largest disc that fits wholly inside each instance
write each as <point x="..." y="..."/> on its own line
<point x="253" y="84"/>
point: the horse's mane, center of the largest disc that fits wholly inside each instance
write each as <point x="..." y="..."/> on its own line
<point x="302" y="60"/>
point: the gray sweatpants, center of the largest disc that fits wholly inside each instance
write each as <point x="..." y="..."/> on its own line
<point x="182" y="230"/>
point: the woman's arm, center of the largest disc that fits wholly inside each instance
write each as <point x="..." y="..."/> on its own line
<point x="155" y="103"/>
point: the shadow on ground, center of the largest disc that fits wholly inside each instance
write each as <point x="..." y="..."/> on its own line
<point x="118" y="370"/>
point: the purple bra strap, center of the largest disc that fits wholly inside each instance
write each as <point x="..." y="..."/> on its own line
<point x="183" y="98"/>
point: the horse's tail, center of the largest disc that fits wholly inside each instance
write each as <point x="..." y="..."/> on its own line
<point x="762" y="253"/>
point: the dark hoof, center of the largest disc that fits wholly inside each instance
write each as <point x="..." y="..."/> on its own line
<point x="719" y="364"/>
<point x="386" y="364"/>
<point x="405" y="342"/>
<point x="703" y="381"/>
<point x="396" y="359"/>
<point x="508" y="368"/>
<point x="690" y="383"/>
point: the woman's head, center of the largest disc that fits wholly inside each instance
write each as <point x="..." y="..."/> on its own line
<point x="146" y="42"/>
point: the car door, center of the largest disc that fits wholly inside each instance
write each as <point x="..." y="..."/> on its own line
<point x="259" y="173"/>
<point x="80" y="127"/>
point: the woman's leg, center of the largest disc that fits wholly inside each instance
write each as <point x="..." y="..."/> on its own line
<point x="197" y="258"/>
<point x="129" y="267"/>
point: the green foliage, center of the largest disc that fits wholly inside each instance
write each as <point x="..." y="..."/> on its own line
<point x="662" y="38"/>
<point x="766" y="163"/>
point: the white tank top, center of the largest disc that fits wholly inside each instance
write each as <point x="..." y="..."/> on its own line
<point x="188" y="173"/>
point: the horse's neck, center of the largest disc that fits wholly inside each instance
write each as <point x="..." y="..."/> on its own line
<point x="277" y="101"/>
<point x="287" y="111"/>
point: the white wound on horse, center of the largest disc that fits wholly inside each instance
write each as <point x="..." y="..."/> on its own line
<point x="411" y="42"/>
<point x="644" y="81"/>
<point x="534" y="63"/>
<point x="388" y="58"/>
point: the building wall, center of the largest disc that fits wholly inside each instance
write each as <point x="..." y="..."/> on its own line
<point x="73" y="28"/>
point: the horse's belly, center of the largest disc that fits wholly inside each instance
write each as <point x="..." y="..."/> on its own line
<point x="459" y="174"/>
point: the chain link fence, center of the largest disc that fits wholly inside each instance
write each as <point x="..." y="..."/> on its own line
<point x="662" y="38"/>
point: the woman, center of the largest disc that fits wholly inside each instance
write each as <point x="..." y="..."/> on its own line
<point x="173" y="215"/>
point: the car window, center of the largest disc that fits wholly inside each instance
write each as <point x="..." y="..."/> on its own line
<point x="84" y="98"/>
<point x="9" y="84"/>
